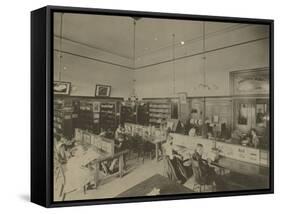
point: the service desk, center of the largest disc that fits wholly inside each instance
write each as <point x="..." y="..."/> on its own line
<point x="232" y="151"/>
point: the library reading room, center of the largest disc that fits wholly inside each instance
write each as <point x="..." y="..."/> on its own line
<point x="147" y="106"/>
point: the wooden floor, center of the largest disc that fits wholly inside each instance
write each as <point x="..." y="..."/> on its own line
<point x="143" y="177"/>
<point x="157" y="182"/>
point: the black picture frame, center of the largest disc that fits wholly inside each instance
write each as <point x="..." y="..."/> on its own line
<point x="102" y="90"/>
<point x="42" y="105"/>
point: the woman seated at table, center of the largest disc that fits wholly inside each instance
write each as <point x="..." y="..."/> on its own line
<point x="119" y="138"/>
<point x="173" y="164"/>
<point x="61" y="150"/>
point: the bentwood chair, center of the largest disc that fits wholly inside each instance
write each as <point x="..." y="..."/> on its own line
<point x="201" y="182"/>
<point x="197" y="174"/>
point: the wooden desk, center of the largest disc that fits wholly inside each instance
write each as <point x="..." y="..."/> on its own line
<point x="77" y="174"/>
<point x="165" y="185"/>
<point x="157" y="142"/>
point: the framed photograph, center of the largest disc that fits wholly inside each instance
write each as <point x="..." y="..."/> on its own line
<point x="182" y="97"/>
<point x="102" y="90"/>
<point x="86" y="148"/>
<point x="62" y="88"/>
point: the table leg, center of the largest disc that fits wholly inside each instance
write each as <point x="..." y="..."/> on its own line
<point x="156" y="151"/>
<point x="121" y="165"/>
<point x="96" y="175"/>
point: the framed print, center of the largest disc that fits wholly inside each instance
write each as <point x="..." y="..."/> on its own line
<point x="102" y="90"/>
<point x="62" y="88"/>
<point x="251" y="82"/>
<point x="182" y="97"/>
<point x="140" y="137"/>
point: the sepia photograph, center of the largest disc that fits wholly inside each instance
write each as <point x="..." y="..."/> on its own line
<point x="146" y="106"/>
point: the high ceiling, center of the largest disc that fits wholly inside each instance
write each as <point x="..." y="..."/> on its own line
<point x="115" y="35"/>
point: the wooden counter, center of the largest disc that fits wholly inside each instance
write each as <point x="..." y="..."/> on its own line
<point x="232" y="151"/>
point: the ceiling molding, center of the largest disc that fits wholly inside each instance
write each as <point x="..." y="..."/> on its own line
<point x="202" y="52"/>
<point x="92" y="47"/>
<point x="94" y="59"/>
<point x="165" y="61"/>
<point x="199" y="38"/>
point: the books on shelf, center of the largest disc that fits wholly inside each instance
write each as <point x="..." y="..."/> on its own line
<point x="159" y="112"/>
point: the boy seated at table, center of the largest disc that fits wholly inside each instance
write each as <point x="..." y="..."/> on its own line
<point x="207" y="172"/>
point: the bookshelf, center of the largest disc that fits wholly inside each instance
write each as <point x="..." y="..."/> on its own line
<point x="89" y="116"/>
<point x="143" y="114"/>
<point x="63" y="118"/>
<point x="159" y="112"/>
<point x="128" y="114"/>
<point x="109" y="115"/>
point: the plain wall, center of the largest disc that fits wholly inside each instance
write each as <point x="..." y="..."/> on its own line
<point x="85" y="73"/>
<point x="159" y="80"/>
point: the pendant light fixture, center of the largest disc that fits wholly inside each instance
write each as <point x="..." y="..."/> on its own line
<point x="62" y="68"/>
<point x="60" y="51"/>
<point x="133" y="96"/>
<point x="174" y="72"/>
<point x="204" y="86"/>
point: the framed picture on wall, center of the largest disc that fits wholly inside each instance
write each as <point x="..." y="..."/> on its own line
<point x="224" y="126"/>
<point x="102" y="90"/>
<point x="62" y="88"/>
<point x="182" y="97"/>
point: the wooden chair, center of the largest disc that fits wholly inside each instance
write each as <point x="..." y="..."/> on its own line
<point x="197" y="177"/>
<point x="201" y="182"/>
<point x="59" y="175"/>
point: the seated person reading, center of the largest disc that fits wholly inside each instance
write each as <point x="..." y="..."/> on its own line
<point x="62" y="153"/>
<point x="119" y="138"/>
<point x="192" y="132"/>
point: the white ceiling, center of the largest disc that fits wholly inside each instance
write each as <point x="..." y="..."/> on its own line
<point x="114" y="34"/>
